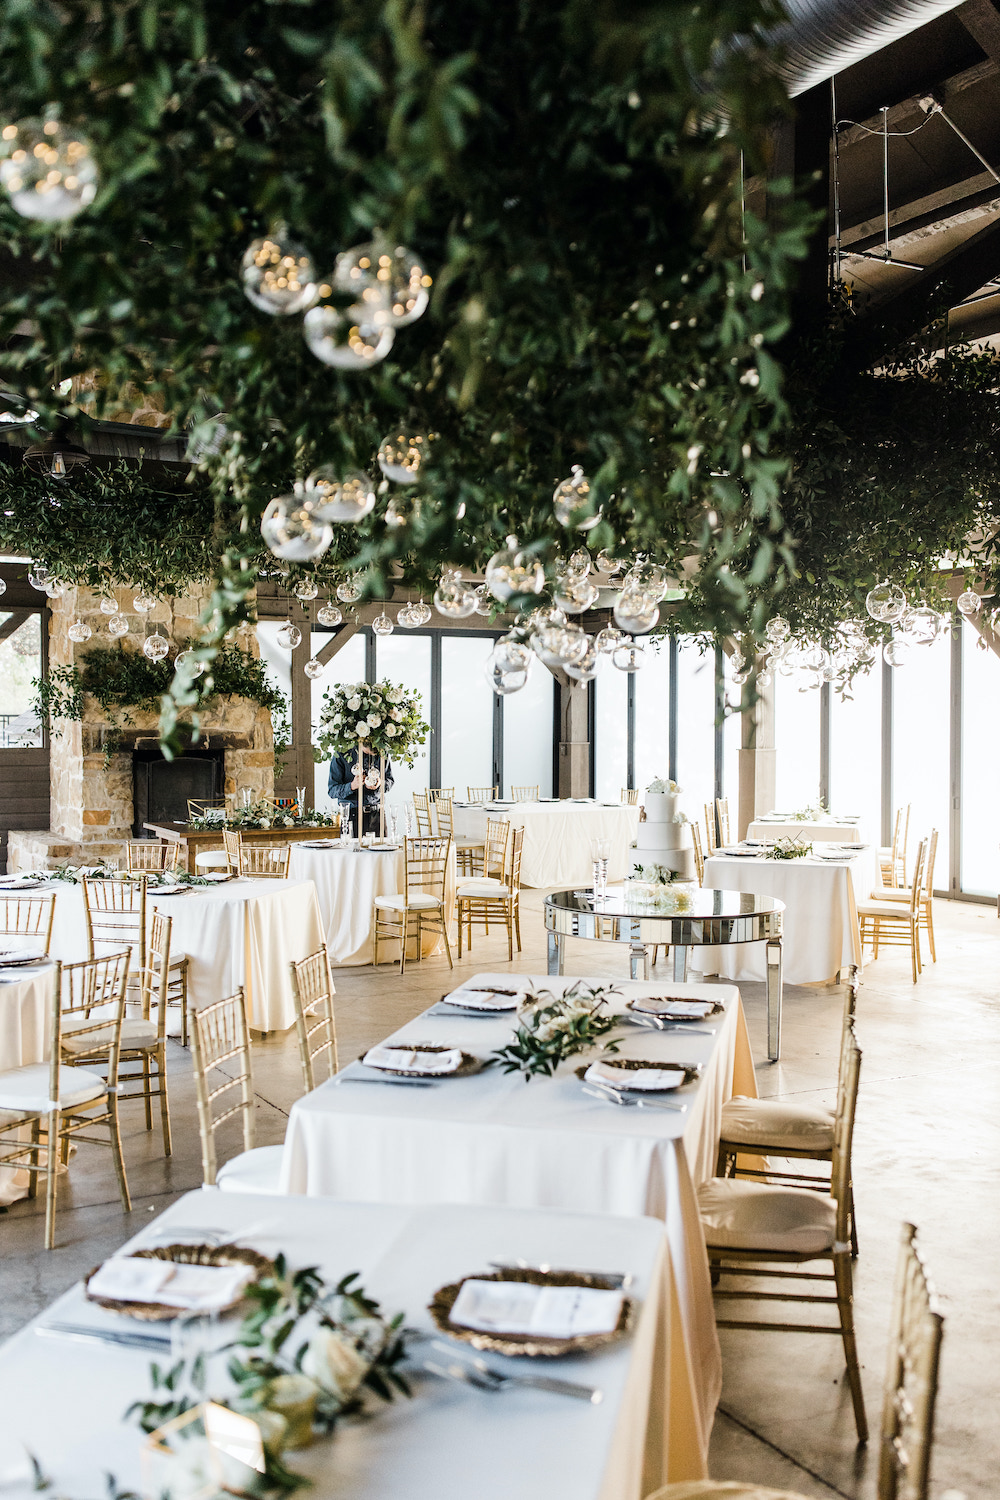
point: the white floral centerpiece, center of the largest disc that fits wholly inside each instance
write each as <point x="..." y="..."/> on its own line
<point x="655" y="887"/>
<point x="660" y="784"/>
<point x="379" y="716"/>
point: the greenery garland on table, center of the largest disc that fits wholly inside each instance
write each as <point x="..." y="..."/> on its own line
<point x="550" y="1028"/>
<point x="571" y="176"/>
<point x="261" y="814"/>
<point x="786" y="848"/>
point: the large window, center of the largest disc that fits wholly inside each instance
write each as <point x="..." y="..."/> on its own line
<point x="856" y="751"/>
<point x="980" y="739"/>
<point x="20" y="661"/>
<point x="921" y="746"/>
<point x="696" y="726"/>
<point x="797" y="743"/>
<point x="406" y="661"/>
<point x="527" y="733"/>
<point x="652" y="714"/>
<point x="466" y="713"/>
<point x="611" y="732"/>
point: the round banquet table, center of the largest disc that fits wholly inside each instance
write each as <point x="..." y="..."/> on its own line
<point x="557" y="835"/>
<point x="25" y="1037"/>
<point x="347" y="881"/>
<point x="712" y="918"/>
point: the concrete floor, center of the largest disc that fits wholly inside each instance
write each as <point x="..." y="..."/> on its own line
<point x="926" y="1146"/>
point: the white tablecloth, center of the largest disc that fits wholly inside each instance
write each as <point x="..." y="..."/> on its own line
<point x="243" y="932"/>
<point x="347" y="882"/>
<point x="450" y="1442"/>
<point x="821" y="933"/>
<point x="492" y="1139"/>
<point x="25" y="1037"/>
<point x="557" y="836"/>
<point x="823" y="832"/>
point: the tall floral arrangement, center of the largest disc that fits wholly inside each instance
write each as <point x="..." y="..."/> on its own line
<point x="385" y="718"/>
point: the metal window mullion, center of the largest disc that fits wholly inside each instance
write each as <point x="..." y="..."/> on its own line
<point x="672" y="711"/>
<point x="498" y="741"/>
<point x="824" y="743"/>
<point x="630" y="738"/>
<point x="435" y="714"/>
<point x="720" y="721"/>
<point x="887" y="671"/>
<point x="955" y="757"/>
<point x="371" y="662"/>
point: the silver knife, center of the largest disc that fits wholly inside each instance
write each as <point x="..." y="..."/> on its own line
<point x="102" y="1336"/>
<point x="407" y="1083"/>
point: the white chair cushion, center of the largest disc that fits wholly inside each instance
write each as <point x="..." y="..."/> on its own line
<point x="417" y="902"/>
<point x="887" y="893"/>
<point x="740" y="1215"/>
<point x="177" y="957"/>
<point x="881" y="909"/>
<point x="772" y="1123"/>
<point x="487" y="887"/>
<point x="137" y="1033"/>
<point x="212" y="859"/>
<point x="256" y="1171"/>
<point x="26" y="1090"/>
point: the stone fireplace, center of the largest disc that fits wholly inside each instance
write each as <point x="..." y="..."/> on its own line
<point x="93" y="801"/>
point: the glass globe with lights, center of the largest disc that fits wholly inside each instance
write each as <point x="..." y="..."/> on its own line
<point x="382" y="625"/>
<point x="403" y="456"/>
<point x="156" y="646"/>
<point x="47" y="169"/>
<point x="329" y="614"/>
<point x="885" y="602"/>
<point x="292" y="530"/>
<point x="395" y="273"/>
<point x="352" y="339"/>
<point x="313" y="668"/>
<point x="117" y="625"/>
<point x="346" y="500"/>
<point x="288" y="636"/>
<point x="79" y="632"/>
<point x="350" y="591"/>
<point x="278" y="275"/>
<point x="572" y="503"/>
<point x="306" y="589"/>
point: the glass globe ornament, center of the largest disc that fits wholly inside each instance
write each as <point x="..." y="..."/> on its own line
<point x="503" y="683"/>
<point x="579" y="563"/>
<point x="117" y="625"/>
<point x="969" y="603"/>
<point x="630" y="656"/>
<point x="47" y="169"/>
<point x="921" y="623"/>
<point x="38" y="577"/>
<point x="55" y="590"/>
<point x="815" y="659"/>
<point x="291" y="529"/>
<point x="289" y="636"/>
<point x="402" y="457"/>
<point x="401" y="510"/>
<point x="394" y="272"/>
<point x="574" y="595"/>
<point x="605" y="563"/>
<point x="511" y="655"/>
<point x="313" y="668"/>
<point x="329" y="614"/>
<point x="3" y="586"/>
<point x="187" y="665"/>
<point x="897" y="652"/>
<point x="109" y="606"/>
<point x="350" y="591"/>
<point x="421" y="612"/>
<point x="647" y="577"/>
<point x="405" y="618"/>
<point x="382" y="625"/>
<point x="739" y="676"/>
<point x="278" y="275"/>
<point x="571" y="502"/>
<point x="587" y="667"/>
<point x="609" y="639"/>
<point x="454" y="600"/>
<point x="144" y="604"/>
<point x="777" y="629"/>
<point x="885" y="602"/>
<point x="636" y="611"/>
<point x="339" y="500"/>
<point x="306" y="589"/>
<point x="484" y="605"/>
<point x="155" y="646"/>
<point x="348" y="340"/>
<point x="513" y="570"/>
<point x="79" y="631"/>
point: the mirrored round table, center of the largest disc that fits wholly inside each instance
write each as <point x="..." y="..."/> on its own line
<point x="709" y="919"/>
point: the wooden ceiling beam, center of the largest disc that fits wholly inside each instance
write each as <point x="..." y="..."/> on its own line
<point x="981" y="21"/>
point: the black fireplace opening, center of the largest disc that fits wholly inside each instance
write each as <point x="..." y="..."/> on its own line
<point x="161" y="788"/>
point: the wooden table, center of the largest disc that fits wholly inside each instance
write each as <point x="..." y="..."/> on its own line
<point x="194" y="841"/>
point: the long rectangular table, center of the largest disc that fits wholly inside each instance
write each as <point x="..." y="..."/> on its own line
<point x="825" y="830"/>
<point x="557" y="835"/>
<point x="492" y="1139"/>
<point x="64" y="1401"/>
<point x="195" y="840"/>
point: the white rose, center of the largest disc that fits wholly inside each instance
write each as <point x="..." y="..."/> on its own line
<point x="288" y="822"/>
<point x="396" y="714"/>
<point x="391" y="730"/>
<point x="394" y="695"/>
<point x="354" y="704"/>
<point x="374" y="720"/>
<point x="361" y="730"/>
<point x="335" y="1364"/>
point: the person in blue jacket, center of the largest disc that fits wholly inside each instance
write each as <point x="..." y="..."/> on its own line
<point x="343" y="788"/>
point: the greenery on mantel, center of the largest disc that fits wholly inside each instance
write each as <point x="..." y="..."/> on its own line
<point x="569" y="173"/>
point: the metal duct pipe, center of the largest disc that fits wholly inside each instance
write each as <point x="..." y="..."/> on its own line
<point x="823" y="37"/>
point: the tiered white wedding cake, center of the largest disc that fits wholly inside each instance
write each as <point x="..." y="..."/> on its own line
<point x="663" y="838"/>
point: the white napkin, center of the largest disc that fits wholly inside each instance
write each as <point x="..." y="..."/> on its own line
<point x="653" y="1077"/>
<point x="683" y="1010"/>
<point x="413" y="1060"/>
<point x="19" y="955"/>
<point x="483" y="999"/>
<point x="194" y="1288"/>
<point x="555" y="1312"/>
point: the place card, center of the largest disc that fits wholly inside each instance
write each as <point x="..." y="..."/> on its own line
<point x="521" y="1307"/>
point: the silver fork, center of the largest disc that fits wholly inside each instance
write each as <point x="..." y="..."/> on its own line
<point x="612" y="1096"/>
<point x="479" y="1374"/>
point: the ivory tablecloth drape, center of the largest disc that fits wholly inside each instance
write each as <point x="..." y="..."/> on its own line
<point x="347" y="882"/>
<point x="557" y="836"/>
<point x="25" y="1037"/>
<point x="491" y="1139"/>
<point x="241" y="932"/>
<point x="821" y="932"/>
<point x="827" y="830"/>
<point x="450" y="1442"/>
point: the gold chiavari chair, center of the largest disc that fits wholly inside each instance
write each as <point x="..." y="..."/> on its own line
<point x="525" y="793"/>
<point x="479" y="900"/>
<point x="59" y="1100"/>
<point x="908" y="1397"/>
<point x="422" y="810"/>
<point x="215" y="858"/>
<point x="788" y="1129"/>
<point x="313" y="991"/>
<point x="434" y="792"/>
<point x="892" y="860"/>
<point x="896" y="924"/>
<point x="753" y="1227"/>
<point x="699" y="858"/>
<point x="925" y="907"/>
<point x="223" y="1077"/>
<point x="266" y="861"/>
<point x="232" y="843"/>
<point x="722" y="810"/>
<point x="484" y="858"/>
<point x="630" y="795"/>
<point x="28" y="916"/>
<point x="420" y="905"/>
<point x="482" y="793"/>
<point x="443" y="809"/>
<point x="116" y="916"/>
<point x="711" y="842"/>
<point x="199" y="806"/>
<point x="151" y="854"/>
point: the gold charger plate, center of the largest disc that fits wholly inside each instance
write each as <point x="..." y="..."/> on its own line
<point x="183" y="1255"/>
<point x="691" y="1071"/>
<point x="466" y="1067"/>
<point x="667" y="1015"/>
<point x="445" y="1297"/>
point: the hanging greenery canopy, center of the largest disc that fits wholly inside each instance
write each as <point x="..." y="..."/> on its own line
<point x="569" y="175"/>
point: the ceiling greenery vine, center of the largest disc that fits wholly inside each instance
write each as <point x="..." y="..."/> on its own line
<point x="569" y="176"/>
